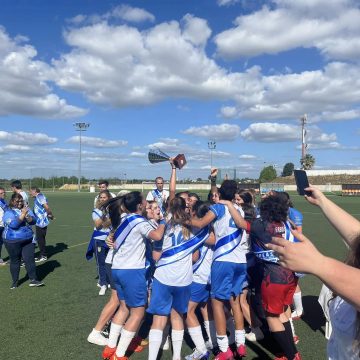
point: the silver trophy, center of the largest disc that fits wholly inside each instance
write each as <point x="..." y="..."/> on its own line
<point x="156" y="156"/>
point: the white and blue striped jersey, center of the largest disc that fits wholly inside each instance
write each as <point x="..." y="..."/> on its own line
<point x="202" y="268"/>
<point x="131" y="253"/>
<point x="42" y="219"/>
<point x="96" y="215"/>
<point x="224" y="226"/>
<point x="179" y="273"/>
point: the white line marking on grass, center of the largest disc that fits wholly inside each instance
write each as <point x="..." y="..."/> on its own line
<point x="73" y="246"/>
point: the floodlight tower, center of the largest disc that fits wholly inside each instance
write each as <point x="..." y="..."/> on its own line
<point x="211" y="146"/>
<point x="303" y="120"/>
<point x="80" y="126"/>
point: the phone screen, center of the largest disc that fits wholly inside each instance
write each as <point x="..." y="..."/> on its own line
<point x="302" y="182"/>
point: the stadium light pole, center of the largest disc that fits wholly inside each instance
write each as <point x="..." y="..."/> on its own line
<point x="80" y="126"/>
<point x="303" y="120"/>
<point x="211" y="146"/>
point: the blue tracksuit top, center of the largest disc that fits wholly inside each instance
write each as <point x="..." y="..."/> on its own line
<point x="15" y="229"/>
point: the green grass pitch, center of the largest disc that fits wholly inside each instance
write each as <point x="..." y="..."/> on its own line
<point x="53" y="322"/>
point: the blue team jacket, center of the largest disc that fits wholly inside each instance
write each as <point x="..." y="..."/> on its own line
<point x="14" y="229"/>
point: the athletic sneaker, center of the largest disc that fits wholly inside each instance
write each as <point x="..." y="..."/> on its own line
<point x="108" y="352"/>
<point x="254" y="335"/>
<point x="22" y="264"/>
<point x="296" y="315"/>
<point x="227" y="355"/>
<point x="2" y="262"/>
<point x="197" y="355"/>
<point x="95" y="337"/>
<point x="36" y="283"/>
<point x="41" y="259"/>
<point x="14" y="285"/>
<point x="241" y="350"/>
<point x="102" y="290"/>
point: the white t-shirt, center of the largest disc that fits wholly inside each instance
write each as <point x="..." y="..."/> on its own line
<point x="160" y="199"/>
<point x="25" y="197"/>
<point x="343" y="318"/>
<point x="224" y="225"/>
<point x="131" y="254"/>
<point x="179" y="273"/>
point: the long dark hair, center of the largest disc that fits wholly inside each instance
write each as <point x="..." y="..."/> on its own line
<point x="126" y="203"/>
<point x="179" y="216"/>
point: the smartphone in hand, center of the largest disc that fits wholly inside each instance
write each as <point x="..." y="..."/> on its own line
<point x="302" y="182"/>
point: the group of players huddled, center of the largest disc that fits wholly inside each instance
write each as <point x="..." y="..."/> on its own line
<point x="175" y="261"/>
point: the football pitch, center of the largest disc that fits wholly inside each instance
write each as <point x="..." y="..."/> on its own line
<point x="53" y="322"/>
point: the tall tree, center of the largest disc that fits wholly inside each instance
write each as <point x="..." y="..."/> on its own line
<point x="288" y="169"/>
<point x="268" y="173"/>
<point x="307" y="162"/>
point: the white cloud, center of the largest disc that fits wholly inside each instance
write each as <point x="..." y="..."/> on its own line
<point x="17" y="148"/>
<point x="121" y="66"/>
<point x="137" y="154"/>
<point x="247" y="157"/>
<point x="271" y="132"/>
<point x="276" y="132"/>
<point x="24" y="83"/>
<point x="227" y="2"/>
<point x="196" y="30"/>
<point x="332" y="27"/>
<point x="336" y="115"/>
<point x="132" y="14"/>
<point x="223" y="132"/>
<point x="97" y="142"/>
<point x="26" y="138"/>
<point x="228" y="112"/>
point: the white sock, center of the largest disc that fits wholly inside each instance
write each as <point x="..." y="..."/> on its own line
<point x="298" y="302"/>
<point x="239" y="337"/>
<point x="223" y="342"/>
<point x="155" y="339"/>
<point x="114" y="334"/>
<point x="177" y="339"/>
<point x="210" y="331"/>
<point x="125" y="340"/>
<point x="197" y="338"/>
<point x="231" y="328"/>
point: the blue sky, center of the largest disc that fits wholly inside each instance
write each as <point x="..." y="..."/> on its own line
<point x="176" y="74"/>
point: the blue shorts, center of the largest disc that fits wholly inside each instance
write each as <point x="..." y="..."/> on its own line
<point x="131" y="286"/>
<point x="227" y="279"/>
<point x="200" y="293"/>
<point x="165" y="297"/>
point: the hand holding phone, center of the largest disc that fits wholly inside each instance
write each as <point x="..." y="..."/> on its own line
<point x="302" y="182"/>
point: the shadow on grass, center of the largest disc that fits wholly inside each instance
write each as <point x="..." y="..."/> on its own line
<point x="55" y="249"/>
<point x="44" y="269"/>
<point x="313" y="314"/>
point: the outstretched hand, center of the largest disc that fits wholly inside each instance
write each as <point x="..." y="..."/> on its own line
<point x="213" y="172"/>
<point x="316" y="197"/>
<point x="301" y="256"/>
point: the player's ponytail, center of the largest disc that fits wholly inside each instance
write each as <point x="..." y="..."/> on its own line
<point x="114" y="208"/>
<point x="179" y="216"/>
